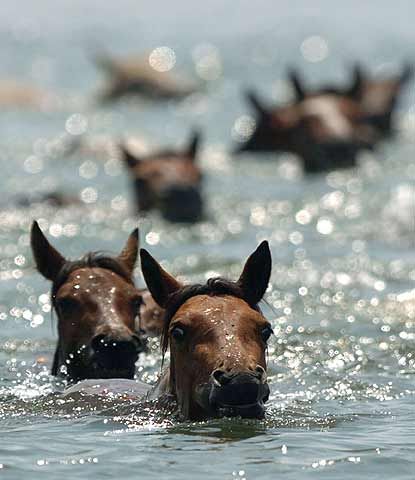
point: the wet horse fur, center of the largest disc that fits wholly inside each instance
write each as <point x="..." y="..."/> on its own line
<point x="97" y="305"/>
<point x="169" y="181"/>
<point x="217" y="337"/>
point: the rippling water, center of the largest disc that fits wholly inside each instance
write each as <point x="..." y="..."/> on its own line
<point x="342" y="299"/>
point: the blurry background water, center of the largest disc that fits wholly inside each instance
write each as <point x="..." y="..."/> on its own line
<point x="342" y="301"/>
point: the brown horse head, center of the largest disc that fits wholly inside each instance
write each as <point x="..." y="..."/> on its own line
<point x="324" y="130"/>
<point x="377" y="98"/>
<point x="169" y="181"/>
<point x="97" y="304"/>
<point x="217" y="337"/>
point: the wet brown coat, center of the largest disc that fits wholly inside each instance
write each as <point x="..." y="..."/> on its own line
<point x="97" y="305"/>
<point x="214" y="331"/>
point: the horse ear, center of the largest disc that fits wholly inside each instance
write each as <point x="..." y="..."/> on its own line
<point x="193" y="144"/>
<point x="129" y="253"/>
<point x="255" y="276"/>
<point x="130" y="160"/>
<point x="355" y="88"/>
<point x="48" y="260"/>
<point x="297" y="84"/>
<point x="256" y="102"/>
<point x="407" y="73"/>
<point x="160" y="283"/>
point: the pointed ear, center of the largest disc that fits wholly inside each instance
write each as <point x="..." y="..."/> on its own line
<point x="48" y="260"/>
<point x="297" y="84"/>
<point x="255" y="276"/>
<point x="407" y="73"/>
<point x="355" y="88"/>
<point x="193" y="144"/>
<point x="256" y="102"/>
<point x="129" y="253"/>
<point x="128" y="158"/>
<point x="160" y="283"/>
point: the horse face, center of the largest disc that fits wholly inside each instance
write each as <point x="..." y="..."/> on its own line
<point x="217" y="346"/>
<point x="97" y="329"/>
<point x="217" y="338"/>
<point x="97" y="304"/>
<point x="170" y="182"/>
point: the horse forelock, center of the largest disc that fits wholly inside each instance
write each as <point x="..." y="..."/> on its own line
<point x="90" y="260"/>
<point x="213" y="287"/>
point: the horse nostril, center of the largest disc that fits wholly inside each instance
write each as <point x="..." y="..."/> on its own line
<point x="217" y="376"/>
<point x="99" y="342"/>
<point x="139" y="343"/>
<point x="260" y="373"/>
<point x="220" y="378"/>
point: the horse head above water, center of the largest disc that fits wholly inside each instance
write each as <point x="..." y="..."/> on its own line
<point x="97" y="303"/>
<point x="324" y="130"/>
<point x="377" y="97"/>
<point x="217" y="338"/>
<point x="169" y="180"/>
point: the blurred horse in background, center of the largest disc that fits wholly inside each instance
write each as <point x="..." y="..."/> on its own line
<point x="377" y="97"/>
<point x="324" y="130"/>
<point x="327" y="127"/>
<point x="169" y="180"/>
<point x="135" y="76"/>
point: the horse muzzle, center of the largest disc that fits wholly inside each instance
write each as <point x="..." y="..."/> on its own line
<point x="114" y="357"/>
<point x="240" y="394"/>
<point x="182" y="204"/>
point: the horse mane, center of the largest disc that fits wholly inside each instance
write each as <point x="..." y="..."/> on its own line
<point x="90" y="260"/>
<point x="214" y="286"/>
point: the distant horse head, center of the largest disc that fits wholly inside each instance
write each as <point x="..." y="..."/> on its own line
<point x="376" y="97"/>
<point x="217" y="337"/>
<point x="135" y="76"/>
<point x="97" y="304"/>
<point x="324" y="130"/>
<point x="169" y="180"/>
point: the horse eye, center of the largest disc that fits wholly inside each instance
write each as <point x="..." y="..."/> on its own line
<point x="66" y="305"/>
<point x="178" y="333"/>
<point x="266" y="332"/>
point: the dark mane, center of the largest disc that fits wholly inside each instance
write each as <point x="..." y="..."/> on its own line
<point x="90" y="260"/>
<point x="214" y="286"/>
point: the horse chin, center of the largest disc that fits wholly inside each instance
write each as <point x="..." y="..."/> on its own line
<point x="254" y="410"/>
<point x="206" y="398"/>
<point x="93" y="371"/>
<point x="96" y="372"/>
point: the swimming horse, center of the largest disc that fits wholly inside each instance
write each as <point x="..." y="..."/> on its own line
<point x="169" y="180"/>
<point x="377" y="96"/>
<point x="217" y="338"/>
<point x="325" y="130"/>
<point x="97" y="305"/>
